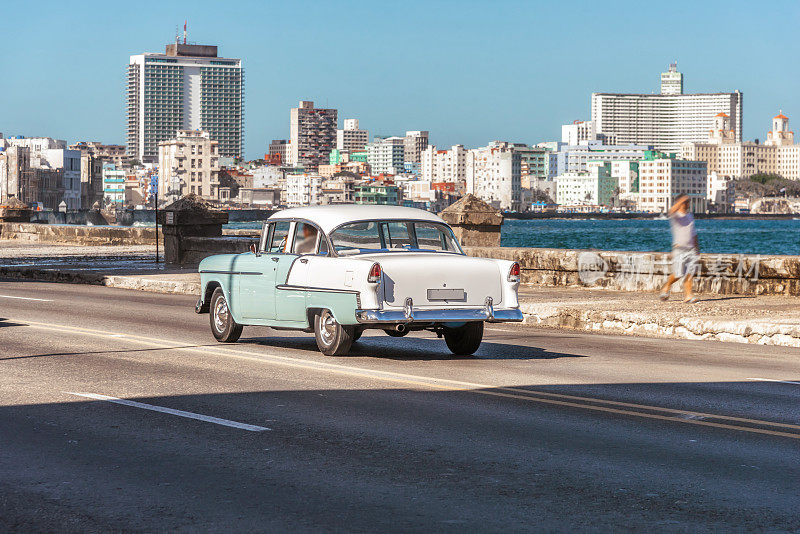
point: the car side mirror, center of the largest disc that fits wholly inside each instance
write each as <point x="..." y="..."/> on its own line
<point x="254" y="249"/>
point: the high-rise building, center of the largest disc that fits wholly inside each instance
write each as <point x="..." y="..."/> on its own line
<point x="186" y="88"/>
<point x="415" y="143"/>
<point x="312" y="135"/>
<point x="350" y="138"/>
<point x="189" y="163"/>
<point x="672" y="81"/>
<point x="665" y="121"/>
<point x="386" y="155"/>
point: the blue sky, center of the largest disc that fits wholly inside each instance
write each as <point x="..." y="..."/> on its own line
<point x="469" y="72"/>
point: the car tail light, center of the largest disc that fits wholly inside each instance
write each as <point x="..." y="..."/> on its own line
<point x="375" y="273"/>
<point x="513" y="273"/>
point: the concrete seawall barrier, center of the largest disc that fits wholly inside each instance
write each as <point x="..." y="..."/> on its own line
<point x="78" y="234"/>
<point x="724" y="274"/>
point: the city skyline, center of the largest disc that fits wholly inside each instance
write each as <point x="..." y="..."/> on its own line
<point x="516" y="86"/>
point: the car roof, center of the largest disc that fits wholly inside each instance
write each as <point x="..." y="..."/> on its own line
<point x="329" y="217"/>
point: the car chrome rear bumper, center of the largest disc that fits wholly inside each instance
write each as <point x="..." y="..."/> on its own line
<point x="450" y="315"/>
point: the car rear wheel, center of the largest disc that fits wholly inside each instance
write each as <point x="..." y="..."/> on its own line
<point x="223" y="326"/>
<point x="464" y="340"/>
<point x="333" y="339"/>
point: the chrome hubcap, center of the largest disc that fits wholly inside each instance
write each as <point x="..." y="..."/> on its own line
<point x="327" y="327"/>
<point x="220" y="314"/>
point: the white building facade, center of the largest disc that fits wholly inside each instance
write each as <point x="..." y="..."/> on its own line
<point x="443" y="165"/>
<point x="189" y="163"/>
<point x="663" y="178"/>
<point x="665" y="121"/>
<point x="303" y="190"/>
<point x="494" y="174"/>
<point x="386" y="156"/>
<point x="186" y="88"/>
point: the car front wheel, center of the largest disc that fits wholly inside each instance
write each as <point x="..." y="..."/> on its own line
<point x="333" y="339"/>
<point x="223" y="326"/>
<point x="464" y="340"/>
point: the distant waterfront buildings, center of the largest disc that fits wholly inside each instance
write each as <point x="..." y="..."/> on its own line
<point x="40" y="169"/>
<point x="575" y="158"/>
<point x="732" y="159"/>
<point x="312" y="134"/>
<point x="351" y="138"/>
<point x="386" y="155"/>
<point x="188" y="87"/>
<point x="282" y="149"/>
<point x="665" y="120"/>
<point x="415" y="142"/>
<point x="662" y="177"/>
<point x="443" y="165"/>
<point x="596" y="187"/>
<point x="494" y="174"/>
<point x="189" y="163"/>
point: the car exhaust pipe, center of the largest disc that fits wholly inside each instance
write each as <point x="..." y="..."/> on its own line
<point x="400" y="328"/>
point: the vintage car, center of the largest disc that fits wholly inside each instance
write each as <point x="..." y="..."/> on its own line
<point x="339" y="270"/>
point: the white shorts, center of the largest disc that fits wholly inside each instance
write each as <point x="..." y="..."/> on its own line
<point x="685" y="261"/>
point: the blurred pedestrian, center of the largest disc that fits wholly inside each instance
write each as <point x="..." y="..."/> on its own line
<point x="685" y="249"/>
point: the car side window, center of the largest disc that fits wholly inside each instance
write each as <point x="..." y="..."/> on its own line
<point x="305" y="238"/>
<point x="280" y="233"/>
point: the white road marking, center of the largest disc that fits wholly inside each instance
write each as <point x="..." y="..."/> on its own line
<point x="24" y="298"/>
<point x="171" y="411"/>
<point x="773" y="380"/>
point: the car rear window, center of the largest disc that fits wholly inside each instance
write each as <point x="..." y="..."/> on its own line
<point x="371" y="236"/>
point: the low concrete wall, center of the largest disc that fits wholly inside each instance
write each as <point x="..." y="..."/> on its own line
<point x="195" y="249"/>
<point x="78" y="234"/>
<point x="725" y="274"/>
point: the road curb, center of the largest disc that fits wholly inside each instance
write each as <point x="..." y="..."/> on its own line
<point x="118" y="281"/>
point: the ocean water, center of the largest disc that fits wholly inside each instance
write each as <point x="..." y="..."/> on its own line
<point x="723" y="236"/>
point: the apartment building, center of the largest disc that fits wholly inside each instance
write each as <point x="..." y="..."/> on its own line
<point x="303" y="190"/>
<point x="386" y="155"/>
<point x="662" y="178"/>
<point x="312" y="135"/>
<point x="113" y="186"/>
<point x="188" y="87"/>
<point x="665" y="121"/>
<point x="732" y="159"/>
<point x="494" y="175"/>
<point x="93" y="156"/>
<point x="443" y="165"/>
<point x="415" y="143"/>
<point x="351" y="138"/>
<point x="579" y="132"/>
<point x="595" y="187"/>
<point x="42" y="170"/>
<point x="576" y="158"/>
<point x="282" y="149"/>
<point x="189" y="163"/>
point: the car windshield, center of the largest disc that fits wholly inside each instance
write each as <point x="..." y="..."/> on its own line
<point x="374" y="236"/>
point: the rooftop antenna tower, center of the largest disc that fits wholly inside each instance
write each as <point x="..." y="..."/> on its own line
<point x="184" y="32"/>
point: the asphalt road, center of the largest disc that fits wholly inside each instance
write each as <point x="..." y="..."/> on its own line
<point x="541" y="431"/>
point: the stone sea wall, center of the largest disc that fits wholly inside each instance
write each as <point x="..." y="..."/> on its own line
<point x="724" y="274"/>
<point x="78" y="234"/>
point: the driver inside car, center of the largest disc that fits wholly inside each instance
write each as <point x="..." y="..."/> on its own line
<point x="307" y="244"/>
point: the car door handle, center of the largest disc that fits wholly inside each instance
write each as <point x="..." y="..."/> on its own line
<point x="303" y="260"/>
<point x="275" y="258"/>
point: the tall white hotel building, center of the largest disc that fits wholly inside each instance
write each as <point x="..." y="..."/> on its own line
<point x="665" y="120"/>
<point x="186" y="88"/>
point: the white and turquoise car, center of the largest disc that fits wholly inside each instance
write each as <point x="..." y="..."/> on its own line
<point x="339" y="270"/>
